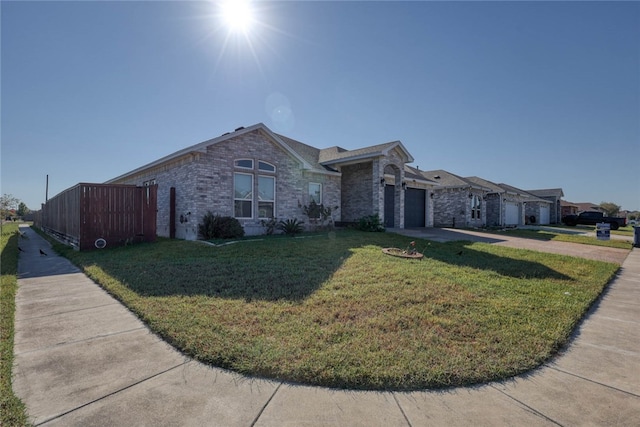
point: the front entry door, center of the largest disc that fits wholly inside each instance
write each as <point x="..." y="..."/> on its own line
<point x="389" y="205"/>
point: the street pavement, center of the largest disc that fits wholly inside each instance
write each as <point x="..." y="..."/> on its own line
<point x="83" y="359"/>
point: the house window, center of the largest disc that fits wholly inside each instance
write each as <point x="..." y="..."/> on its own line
<point x="266" y="196"/>
<point x="266" y="167"/>
<point x="244" y="163"/>
<point x="475" y="207"/>
<point x="243" y="195"/>
<point x="315" y="192"/>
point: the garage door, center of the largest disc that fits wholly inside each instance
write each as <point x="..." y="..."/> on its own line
<point x="389" y="205"/>
<point x="414" y="207"/>
<point x="512" y="214"/>
<point x="544" y="214"/>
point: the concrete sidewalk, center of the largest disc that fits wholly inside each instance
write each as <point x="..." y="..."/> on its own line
<point x="81" y="358"/>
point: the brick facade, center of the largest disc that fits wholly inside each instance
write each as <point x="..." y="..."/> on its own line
<point x="459" y="207"/>
<point x="353" y="184"/>
<point x="204" y="181"/>
<point x="358" y="200"/>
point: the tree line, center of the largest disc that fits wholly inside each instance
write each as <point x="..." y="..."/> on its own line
<point x="11" y="207"/>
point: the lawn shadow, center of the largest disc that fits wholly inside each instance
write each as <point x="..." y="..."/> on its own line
<point x="267" y="269"/>
<point x="273" y="269"/>
<point x="461" y="253"/>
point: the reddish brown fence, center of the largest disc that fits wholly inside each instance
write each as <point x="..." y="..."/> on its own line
<point x="90" y="216"/>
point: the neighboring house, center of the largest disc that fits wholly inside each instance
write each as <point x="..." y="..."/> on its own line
<point x="588" y="206"/>
<point x="254" y="174"/>
<point x="567" y="208"/>
<point x="507" y="205"/>
<point x="536" y="210"/>
<point x="456" y="201"/>
<point x="554" y="195"/>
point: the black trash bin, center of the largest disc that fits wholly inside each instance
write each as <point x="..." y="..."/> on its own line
<point x="636" y="236"/>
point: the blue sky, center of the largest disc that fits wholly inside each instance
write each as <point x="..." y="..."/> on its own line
<point x="535" y="95"/>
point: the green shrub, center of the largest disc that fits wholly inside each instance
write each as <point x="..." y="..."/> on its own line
<point x="269" y="225"/>
<point x="319" y="214"/>
<point x="219" y="227"/>
<point x="290" y="227"/>
<point x="370" y="223"/>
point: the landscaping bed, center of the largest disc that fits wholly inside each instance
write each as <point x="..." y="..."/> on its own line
<point x="334" y="310"/>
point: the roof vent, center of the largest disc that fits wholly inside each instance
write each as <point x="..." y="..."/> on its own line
<point x="436" y="177"/>
<point x="240" y="128"/>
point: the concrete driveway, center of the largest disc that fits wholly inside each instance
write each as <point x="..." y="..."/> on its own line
<point x="599" y="253"/>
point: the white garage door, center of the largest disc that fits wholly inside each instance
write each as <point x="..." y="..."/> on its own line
<point x="544" y="214"/>
<point x="512" y="214"/>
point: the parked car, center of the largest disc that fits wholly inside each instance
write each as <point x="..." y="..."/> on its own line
<point x="593" y="218"/>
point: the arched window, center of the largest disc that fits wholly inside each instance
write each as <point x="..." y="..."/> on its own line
<point x="476" y="212"/>
<point x="253" y="188"/>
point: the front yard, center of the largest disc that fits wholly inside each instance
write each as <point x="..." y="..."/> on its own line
<point x="333" y="310"/>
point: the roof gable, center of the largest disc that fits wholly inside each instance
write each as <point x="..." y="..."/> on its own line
<point x="337" y="155"/>
<point x="491" y="186"/>
<point x="549" y="192"/>
<point x="310" y="158"/>
<point x="446" y="179"/>
<point x="202" y="148"/>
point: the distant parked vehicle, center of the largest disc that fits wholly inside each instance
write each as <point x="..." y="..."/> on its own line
<point x="593" y="218"/>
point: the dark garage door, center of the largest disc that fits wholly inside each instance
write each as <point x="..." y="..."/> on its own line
<point x="414" y="207"/>
<point x="389" y="205"/>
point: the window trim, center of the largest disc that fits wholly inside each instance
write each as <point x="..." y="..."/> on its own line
<point x="272" y="201"/>
<point x="320" y="192"/>
<point x="235" y="163"/>
<point x="476" y="207"/>
<point x="235" y="199"/>
<point x="262" y="162"/>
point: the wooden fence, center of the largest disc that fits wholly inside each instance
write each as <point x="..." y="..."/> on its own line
<point x="90" y="216"/>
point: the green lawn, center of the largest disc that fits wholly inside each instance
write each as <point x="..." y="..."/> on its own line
<point x="334" y="310"/>
<point x="12" y="410"/>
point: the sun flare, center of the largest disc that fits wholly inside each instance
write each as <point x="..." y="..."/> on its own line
<point x="237" y="14"/>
